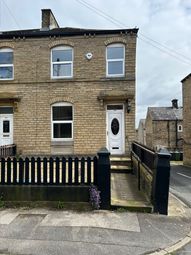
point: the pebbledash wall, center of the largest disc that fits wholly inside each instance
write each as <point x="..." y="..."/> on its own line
<point x="33" y="91"/>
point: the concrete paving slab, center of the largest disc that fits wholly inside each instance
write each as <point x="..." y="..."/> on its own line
<point x="7" y="216"/>
<point x="21" y="227"/>
<point x="97" y="219"/>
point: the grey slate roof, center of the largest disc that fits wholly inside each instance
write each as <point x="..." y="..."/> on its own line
<point x="165" y="113"/>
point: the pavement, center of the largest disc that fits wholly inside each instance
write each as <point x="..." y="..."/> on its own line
<point x="40" y="231"/>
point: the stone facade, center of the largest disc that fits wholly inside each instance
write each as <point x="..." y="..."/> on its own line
<point x="164" y="128"/>
<point x="186" y="93"/>
<point x="36" y="91"/>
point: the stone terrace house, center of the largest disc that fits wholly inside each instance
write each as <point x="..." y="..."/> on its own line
<point x="186" y="93"/>
<point x="67" y="90"/>
<point x="164" y="127"/>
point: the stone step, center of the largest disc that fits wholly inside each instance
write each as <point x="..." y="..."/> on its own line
<point x="124" y="161"/>
<point x="131" y="205"/>
<point x="115" y="158"/>
<point x="121" y="169"/>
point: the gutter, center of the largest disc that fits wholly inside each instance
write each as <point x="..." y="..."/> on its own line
<point x="59" y="32"/>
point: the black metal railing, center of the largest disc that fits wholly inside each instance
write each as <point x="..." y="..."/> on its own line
<point x="158" y="166"/>
<point x="7" y="151"/>
<point x="146" y="155"/>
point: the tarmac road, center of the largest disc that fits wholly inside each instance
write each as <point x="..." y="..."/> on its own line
<point x="180" y="185"/>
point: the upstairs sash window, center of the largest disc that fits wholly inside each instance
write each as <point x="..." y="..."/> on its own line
<point x="115" y="60"/>
<point x="6" y="64"/>
<point x="62" y="62"/>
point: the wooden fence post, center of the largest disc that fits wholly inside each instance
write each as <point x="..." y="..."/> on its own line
<point x="161" y="181"/>
<point x="104" y="178"/>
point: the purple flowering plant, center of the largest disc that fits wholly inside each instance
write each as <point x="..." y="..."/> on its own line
<point x="95" y="198"/>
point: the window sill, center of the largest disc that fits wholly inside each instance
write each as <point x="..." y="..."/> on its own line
<point x="62" y="78"/>
<point x="12" y="79"/>
<point x="62" y="143"/>
<point x="114" y="78"/>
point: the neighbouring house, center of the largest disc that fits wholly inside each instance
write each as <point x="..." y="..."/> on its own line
<point x="141" y="134"/>
<point x="186" y="94"/>
<point x="67" y="90"/>
<point x="164" y="127"/>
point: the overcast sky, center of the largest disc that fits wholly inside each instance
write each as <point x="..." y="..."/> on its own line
<point x="166" y="23"/>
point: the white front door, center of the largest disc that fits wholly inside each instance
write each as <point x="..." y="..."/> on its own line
<point x="6" y="129"/>
<point x="115" y="129"/>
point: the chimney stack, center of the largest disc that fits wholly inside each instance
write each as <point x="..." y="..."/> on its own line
<point x="48" y="20"/>
<point x="175" y="103"/>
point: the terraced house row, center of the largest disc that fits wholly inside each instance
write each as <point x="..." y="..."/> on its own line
<point x="67" y="90"/>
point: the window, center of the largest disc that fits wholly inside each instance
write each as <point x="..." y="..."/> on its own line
<point x="179" y="128"/>
<point x="62" y="62"/>
<point x="115" y="60"/>
<point x="6" y="126"/>
<point x="6" y="110"/>
<point x="6" y="64"/>
<point x="62" y="122"/>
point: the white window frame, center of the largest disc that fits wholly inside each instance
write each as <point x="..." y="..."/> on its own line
<point x="180" y="129"/>
<point x="7" y="65"/>
<point x="61" y="121"/>
<point x="62" y="62"/>
<point x="115" y="60"/>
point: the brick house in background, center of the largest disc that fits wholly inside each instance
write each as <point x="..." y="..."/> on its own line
<point x="186" y="94"/>
<point x="164" y="127"/>
<point x="67" y="90"/>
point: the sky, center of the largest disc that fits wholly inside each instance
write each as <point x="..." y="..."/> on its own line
<point x="163" y="45"/>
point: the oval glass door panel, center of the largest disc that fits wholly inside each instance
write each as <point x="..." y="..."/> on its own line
<point x="115" y="126"/>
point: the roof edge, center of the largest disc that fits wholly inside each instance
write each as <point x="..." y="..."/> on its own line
<point x="56" y="32"/>
<point x="185" y="78"/>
